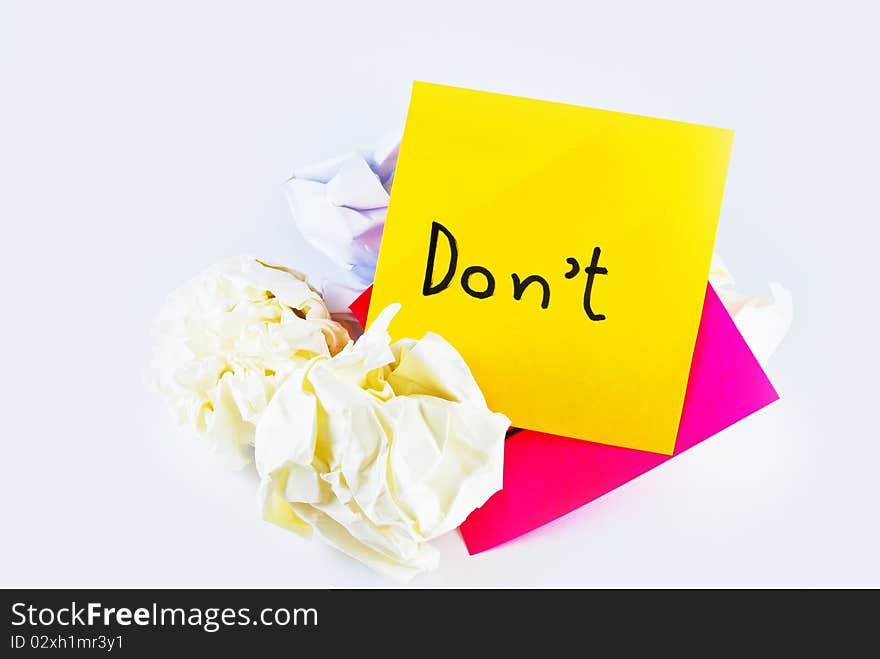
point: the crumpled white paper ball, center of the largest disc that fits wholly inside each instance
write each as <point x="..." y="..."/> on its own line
<point x="380" y="449"/>
<point x="339" y="207"/>
<point x="763" y="320"/>
<point x="225" y="342"/>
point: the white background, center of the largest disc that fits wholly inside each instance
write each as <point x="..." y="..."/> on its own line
<point x="140" y="142"/>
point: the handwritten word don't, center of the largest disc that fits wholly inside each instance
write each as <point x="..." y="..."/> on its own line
<point x="485" y="284"/>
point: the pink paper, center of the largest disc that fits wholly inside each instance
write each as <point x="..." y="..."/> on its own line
<point x="547" y="476"/>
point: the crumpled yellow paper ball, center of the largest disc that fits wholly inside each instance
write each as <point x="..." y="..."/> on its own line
<point x="380" y="449"/>
<point x="226" y="341"/>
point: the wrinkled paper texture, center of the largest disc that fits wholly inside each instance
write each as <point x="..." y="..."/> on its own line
<point x="380" y="449"/>
<point x="762" y="320"/>
<point x="225" y="341"/>
<point x="339" y="207"/>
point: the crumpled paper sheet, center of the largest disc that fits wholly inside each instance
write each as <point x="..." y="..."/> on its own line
<point x="762" y="320"/>
<point x="339" y="207"/>
<point x="227" y="339"/>
<point x="380" y="449"/>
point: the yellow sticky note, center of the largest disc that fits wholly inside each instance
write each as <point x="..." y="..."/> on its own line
<point x="563" y="250"/>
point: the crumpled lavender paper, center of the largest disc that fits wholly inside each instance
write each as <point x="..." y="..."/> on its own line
<point x="339" y="207"/>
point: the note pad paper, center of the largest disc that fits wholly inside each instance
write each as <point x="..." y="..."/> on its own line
<point x="563" y="250"/>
